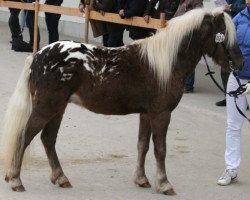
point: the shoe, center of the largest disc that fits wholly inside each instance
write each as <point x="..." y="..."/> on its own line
<point x="228" y="177"/>
<point x="185" y="90"/>
<point x="21" y="46"/>
<point x="221" y="103"/>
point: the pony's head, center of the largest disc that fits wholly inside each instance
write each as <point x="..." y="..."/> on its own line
<point x="219" y="37"/>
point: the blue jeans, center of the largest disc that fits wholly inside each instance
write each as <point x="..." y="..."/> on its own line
<point x="189" y="83"/>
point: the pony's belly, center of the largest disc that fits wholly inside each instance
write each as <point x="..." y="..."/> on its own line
<point x="105" y="106"/>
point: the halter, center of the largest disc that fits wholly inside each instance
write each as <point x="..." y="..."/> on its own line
<point x="219" y="39"/>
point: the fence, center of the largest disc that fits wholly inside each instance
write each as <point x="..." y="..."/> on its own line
<point x="89" y="14"/>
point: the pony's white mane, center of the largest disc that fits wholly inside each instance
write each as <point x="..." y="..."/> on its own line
<point x="170" y="38"/>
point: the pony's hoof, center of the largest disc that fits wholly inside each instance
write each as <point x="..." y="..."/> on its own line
<point x="145" y="185"/>
<point x="141" y="181"/>
<point x="66" y="185"/>
<point x="170" y="192"/>
<point x="19" y="188"/>
<point x="7" y="179"/>
<point x="165" y="188"/>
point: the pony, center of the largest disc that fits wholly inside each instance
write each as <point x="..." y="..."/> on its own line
<point x="145" y="77"/>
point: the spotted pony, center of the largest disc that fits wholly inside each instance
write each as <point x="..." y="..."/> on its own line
<point x="145" y="77"/>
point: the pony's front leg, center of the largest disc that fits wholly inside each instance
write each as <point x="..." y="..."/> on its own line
<point x="48" y="137"/>
<point x="159" y="127"/>
<point x="142" y="147"/>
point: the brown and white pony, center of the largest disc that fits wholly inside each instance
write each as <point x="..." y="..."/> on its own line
<point x="145" y="77"/>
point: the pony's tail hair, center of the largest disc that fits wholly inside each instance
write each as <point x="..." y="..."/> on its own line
<point x="16" y="117"/>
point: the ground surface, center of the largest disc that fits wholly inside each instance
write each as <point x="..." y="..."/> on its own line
<point x="98" y="153"/>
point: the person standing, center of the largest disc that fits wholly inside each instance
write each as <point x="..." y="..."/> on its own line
<point x="168" y="7"/>
<point x="30" y="19"/>
<point x="52" y="21"/>
<point x="233" y="7"/>
<point x="114" y="35"/>
<point x="131" y="8"/>
<point x="185" y="6"/>
<point x="16" y="33"/>
<point x="98" y="27"/>
<point x="234" y="118"/>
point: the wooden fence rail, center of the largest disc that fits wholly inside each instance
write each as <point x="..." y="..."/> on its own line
<point x="89" y="14"/>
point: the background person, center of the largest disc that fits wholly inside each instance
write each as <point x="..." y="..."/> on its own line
<point x="52" y="21"/>
<point x="185" y="6"/>
<point x="233" y="7"/>
<point x="16" y="33"/>
<point x="30" y="17"/>
<point x="234" y="118"/>
<point x="168" y="7"/>
<point x="131" y="8"/>
<point x="114" y="35"/>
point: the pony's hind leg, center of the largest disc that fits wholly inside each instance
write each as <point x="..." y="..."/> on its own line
<point x="48" y="137"/>
<point x="33" y="127"/>
<point x="142" y="147"/>
<point x="159" y="126"/>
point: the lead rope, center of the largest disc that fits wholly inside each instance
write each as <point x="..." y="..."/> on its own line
<point x="234" y="93"/>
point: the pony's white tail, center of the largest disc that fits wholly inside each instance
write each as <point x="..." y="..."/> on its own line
<point x="16" y="117"/>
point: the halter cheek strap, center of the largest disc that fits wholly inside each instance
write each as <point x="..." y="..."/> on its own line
<point x="219" y="38"/>
<point x="219" y="35"/>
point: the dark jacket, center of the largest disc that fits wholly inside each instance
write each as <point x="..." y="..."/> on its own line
<point x="54" y="2"/>
<point x="112" y="7"/>
<point x="187" y="5"/>
<point x="135" y="8"/>
<point x="166" y="6"/>
<point x="237" y="6"/>
<point x="106" y="5"/>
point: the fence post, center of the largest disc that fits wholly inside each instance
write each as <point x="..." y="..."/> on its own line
<point x="36" y="26"/>
<point x="163" y="20"/>
<point x="86" y="25"/>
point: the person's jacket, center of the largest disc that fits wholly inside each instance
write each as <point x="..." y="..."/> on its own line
<point x="106" y="5"/>
<point x="133" y="7"/>
<point x="166" y="6"/>
<point x="112" y="7"/>
<point x="237" y="6"/>
<point x="187" y="5"/>
<point x="241" y="21"/>
<point x="54" y="2"/>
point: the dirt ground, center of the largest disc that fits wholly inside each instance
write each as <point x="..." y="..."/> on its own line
<point x="98" y="153"/>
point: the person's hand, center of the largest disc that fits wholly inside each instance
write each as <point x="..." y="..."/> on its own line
<point x="146" y="18"/>
<point x="121" y="13"/>
<point x="228" y="7"/>
<point x="81" y="8"/>
<point x="247" y="89"/>
<point x="102" y="13"/>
